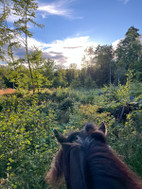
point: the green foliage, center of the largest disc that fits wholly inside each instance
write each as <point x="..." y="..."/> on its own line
<point x="127" y="141"/>
<point x="19" y="75"/>
<point x="60" y="78"/>
<point x="128" y="54"/>
<point x="89" y="83"/>
<point x="38" y="65"/>
<point x="122" y="94"/>
<point x="136" y="89"/>
<point x="27" y="145"/>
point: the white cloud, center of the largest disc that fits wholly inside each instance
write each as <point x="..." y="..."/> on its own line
<point x="115" y="43"/>
<point x="12" y="18"/>
<point x="34" y="43"/>
<point x="54" y="10"/>
<point x="70" y="50"/>
<point x="59" y="8"/>
<point x="67" y="51"/>
<point x="125" y="1"/>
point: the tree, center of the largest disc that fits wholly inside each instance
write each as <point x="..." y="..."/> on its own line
<point x="71" y="73"/>
<point x="104" y="65"/>
<point x="60" y="78"/>
<point x="7" y="33"/>
<point x="19" y="75"/>
<point x="5" y="11"/>
<point x="88" y="58"/>
<point x="25" y="9"/>
<point x="88" y="67"/>
<point x="128" y="54"/>
<point x="8" y="41"/>
<point x="2" y="77"/>
<point x="38" y="65"/>
<point x="48" y="71"/>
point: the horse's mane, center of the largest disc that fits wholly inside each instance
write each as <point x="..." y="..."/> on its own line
<point x="105" y="166"/>
<point x="93" y="163"/>
<point x="55" y="174"/>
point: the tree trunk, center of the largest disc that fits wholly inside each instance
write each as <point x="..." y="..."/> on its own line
<point x="27" y="52"/>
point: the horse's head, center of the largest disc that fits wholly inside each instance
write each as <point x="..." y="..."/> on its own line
<point x="85" y="161"/>
<point x="70" y="162"/>
<point x="90" y="130"/>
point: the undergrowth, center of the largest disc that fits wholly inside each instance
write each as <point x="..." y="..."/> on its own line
<point x="27" y="144"/>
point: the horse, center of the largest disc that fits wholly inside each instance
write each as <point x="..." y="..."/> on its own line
<point x="86" y="161"/>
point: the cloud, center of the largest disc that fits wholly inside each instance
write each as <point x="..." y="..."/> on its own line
<point x="56" y="56"/>
<point x="58" y="8"/>
<point x="12" y="18"/>
<point x="65" y="52"/>
<point x="115" y="44"/>
<point x="72" y="49"/>
<point x="125" y="1"/>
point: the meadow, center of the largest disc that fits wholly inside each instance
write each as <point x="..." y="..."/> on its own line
<point x="27" y="144"/>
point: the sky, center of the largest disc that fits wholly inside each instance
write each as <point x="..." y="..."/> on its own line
<point x="70" y="26"/>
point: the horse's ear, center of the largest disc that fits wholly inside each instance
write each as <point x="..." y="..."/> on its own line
<point x="99" y="136"/>
<point x="103" y="128"/>
<point x="60" y="138"/>
<point x="90" y="127"/>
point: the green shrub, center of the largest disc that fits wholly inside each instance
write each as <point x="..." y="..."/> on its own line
<point x="27" y="144"/>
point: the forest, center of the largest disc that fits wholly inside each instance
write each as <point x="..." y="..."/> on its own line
<point x="101" y="66"/>
<point x="107" y="87"/>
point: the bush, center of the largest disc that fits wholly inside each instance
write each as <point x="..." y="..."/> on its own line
<point x="27" y="144"/>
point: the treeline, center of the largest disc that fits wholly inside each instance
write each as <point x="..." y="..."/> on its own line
<point x="102" y="65"/>
<point x="111" y="65"/>
<point x="106" y="64"/>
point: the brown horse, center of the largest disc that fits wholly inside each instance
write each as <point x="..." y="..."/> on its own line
<point x="86" y="161"/>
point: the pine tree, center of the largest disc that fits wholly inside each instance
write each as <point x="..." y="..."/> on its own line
<point x="25" y="10"/>
<point x="128" y="54"/>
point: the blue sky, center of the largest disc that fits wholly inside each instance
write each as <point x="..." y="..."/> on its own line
<point x="73" y="25"/>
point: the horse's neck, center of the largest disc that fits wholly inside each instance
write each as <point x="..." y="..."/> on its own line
<point x="75" y="175"/>
<point x="109" y="172"/>
<point x="97" y="168"/>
